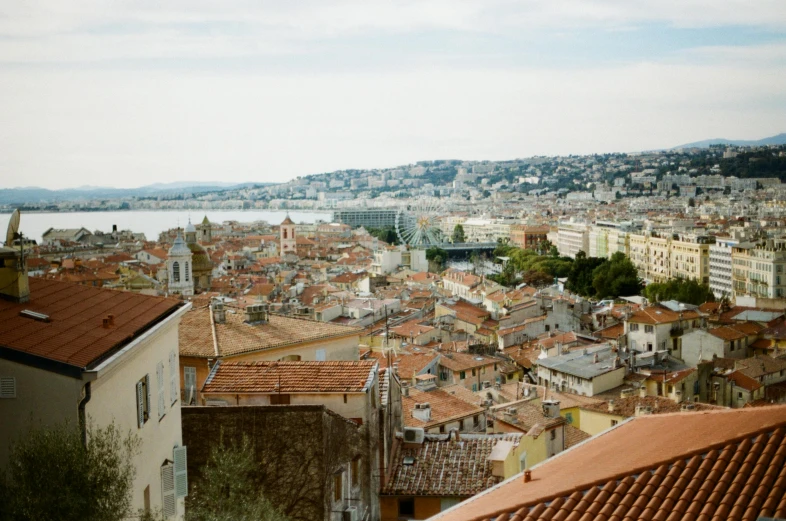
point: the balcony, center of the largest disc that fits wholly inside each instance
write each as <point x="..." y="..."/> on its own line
<point x="677" y="331"/>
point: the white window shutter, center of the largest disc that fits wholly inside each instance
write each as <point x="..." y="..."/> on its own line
<point x="168" y="500"/>
<point x="160" y="382"/>
<point x="173" y="380"/>
<point x="181" y="472"/>
<point x="149" y="402"/>
<point x="140" y="404"/>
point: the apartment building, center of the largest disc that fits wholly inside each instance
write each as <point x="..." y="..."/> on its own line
<point x="667" y="256"/>
<point x="721" y="266"/>
<point x="528" y="237"/>
<point x="367" y="217"/>
<point x="572" y="238"/>
<point x="758" y="269"/>
<point x="607" y="238"/>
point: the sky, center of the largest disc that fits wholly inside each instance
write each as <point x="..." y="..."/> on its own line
<point x="129" y="93"/>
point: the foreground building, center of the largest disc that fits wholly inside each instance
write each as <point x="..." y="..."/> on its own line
<point x="726" y="464"/>
<point x="78" y="354"/>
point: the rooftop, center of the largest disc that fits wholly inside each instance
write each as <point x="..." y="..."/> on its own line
<point x="725" y="464"/>
<point x="72" y="331"/>
<point x="442" y="466"/>
<point x="291" y="377"/>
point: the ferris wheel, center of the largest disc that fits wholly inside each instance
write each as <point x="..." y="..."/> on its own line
<point x="417" y="224"/>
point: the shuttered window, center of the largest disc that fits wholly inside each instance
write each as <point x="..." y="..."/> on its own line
<point x="168" y="500"/>
<point x="189" y="375"/>
<point x="140" y="403"/>
<point x="7" y="387"/>
<point x="149" y="397"/>
<point x="181" y="472"/>
<point x="161" y="395"/>
<point x="173" y="381"/>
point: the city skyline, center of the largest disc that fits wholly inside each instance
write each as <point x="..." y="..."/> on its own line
<point x="139" y="94"/>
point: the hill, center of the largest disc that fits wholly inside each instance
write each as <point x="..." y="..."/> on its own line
<point x="780" y="139"/>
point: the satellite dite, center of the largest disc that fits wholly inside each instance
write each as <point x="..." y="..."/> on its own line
<point x="13" y="272"/>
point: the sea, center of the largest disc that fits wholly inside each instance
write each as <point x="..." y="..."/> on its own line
<point x="149" y="222"/>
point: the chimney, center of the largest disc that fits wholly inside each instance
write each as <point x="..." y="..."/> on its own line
<point x="14" y="284"/>
<point x="527" y="476"/>
<point x="219" y="313"/>
<point x="256" y="313"/>
<point x="643" y="391"/>
<point x="595" y="358"/>
<point x="550" y="408"/>
<point x="111" y="319"/>
<point x="611" y="405"/>
<point x="422" y="412"/>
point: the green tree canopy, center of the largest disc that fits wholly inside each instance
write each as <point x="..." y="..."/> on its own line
<point x="227" y="490"/>
<point x="689" y="291"/>
<point x="581" y="275"/>
<point x="458" y="234"/>
<point x="617" y="277"/>
<point x="437" y="257"/>
<point x="52" y="475"/>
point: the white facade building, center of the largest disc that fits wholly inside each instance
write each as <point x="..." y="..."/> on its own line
<point x="720" y="267"/>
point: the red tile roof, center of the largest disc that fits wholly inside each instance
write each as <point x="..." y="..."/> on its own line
<point x="291" y="377"/>
<point x="728" y="464"/>
<point x="74" y="334"/>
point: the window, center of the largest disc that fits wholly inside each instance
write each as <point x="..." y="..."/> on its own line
<point x="355" y="472"/>
<point x="7" y="387"/>
<point x="739" y="396"/>
<point x="279" y="399"/>
<point x="476" y="420"/>
<point x="168" y="500"/>
<point x="189" y="375"/>
<point x="338" y="485"/>
<point x="648" y="329"/>
<point x="613" y="423"/>
<point x="473" y="372"/>
<point x="547" y="327"/>
<point x="442" y="429"/>
<point x="634" y="327"/>
<point x="461" y="425"/>
<point x="345" y="398"/>
<point x="186" y="271"/>
<point x="462" y="375"/>
<point x="556" y="326"/>
<point x="320" y="355"/>
<point x="474" y="388"/>
<point x="523" y="462"/>
<point x="553" y="434"/>
<point x="143" y="400"/>
<point x="406" y="507"/>
<point x="569" y="417"/>
<point x="175" y="271"/>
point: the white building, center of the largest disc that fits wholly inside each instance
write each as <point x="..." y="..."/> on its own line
<point x="572" y="238"/>
<point x="126" y="374"/>
<point x="720" y="267"/>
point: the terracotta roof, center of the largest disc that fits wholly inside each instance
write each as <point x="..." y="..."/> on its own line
<point x="235" y="336"/>
<point x="411" y="328"/>
<point x="760" y="365"/>
<point x="465" y="361"/>
<point x="442" y="466"/>
<point x="444" y="407"/>
<point x="626" y="407"/>
<point x="739" y="379"/>
<point x="660" y="315"/>
<point x="291" y="377"/>
<point x="574" y="436"/>
<point x="728" y="464"/>
<point x="726" y="333"/>
<point x="74" y="334"/>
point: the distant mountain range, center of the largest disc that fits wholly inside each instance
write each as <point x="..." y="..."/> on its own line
<point x="34" y="194"/>
<point x="780" y="139"/>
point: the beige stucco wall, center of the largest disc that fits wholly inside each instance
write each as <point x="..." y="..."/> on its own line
<point x="42" y="399"/>
<point x="593" y="422"/>
<point x="344" y="348"/>
<point x="114" y="399"/>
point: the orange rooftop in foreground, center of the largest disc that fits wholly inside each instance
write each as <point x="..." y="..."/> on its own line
<point x="718" y="465"/>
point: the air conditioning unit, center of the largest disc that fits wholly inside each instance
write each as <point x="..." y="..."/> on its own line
<point x="350" y="514"/>
<point x="511" y="410"/>
<point x="414" y="435"/>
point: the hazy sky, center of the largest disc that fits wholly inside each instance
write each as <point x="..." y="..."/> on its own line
<point x="127" y="93"/>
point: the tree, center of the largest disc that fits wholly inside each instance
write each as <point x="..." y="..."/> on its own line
<point x="228" y="490"/>
<point x="537" y="279"/>
<point x="689" y="291"/>
<point x="581" y="276"/>
<point x="553" y="251"/>
<point x="458" y="234"/>
<point x="437" y="257"/>
<point x="618" y="277"/>
<point x="53" y="475"/>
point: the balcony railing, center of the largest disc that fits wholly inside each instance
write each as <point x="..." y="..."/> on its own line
<point x="677" y="331"/>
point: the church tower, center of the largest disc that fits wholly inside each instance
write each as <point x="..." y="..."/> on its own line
<point x="179" y="265"/>
<point x="205" y="231"/>
<point x="288" y="242"/>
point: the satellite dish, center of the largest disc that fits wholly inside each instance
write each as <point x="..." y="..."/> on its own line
<point x="13" y="229"/>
